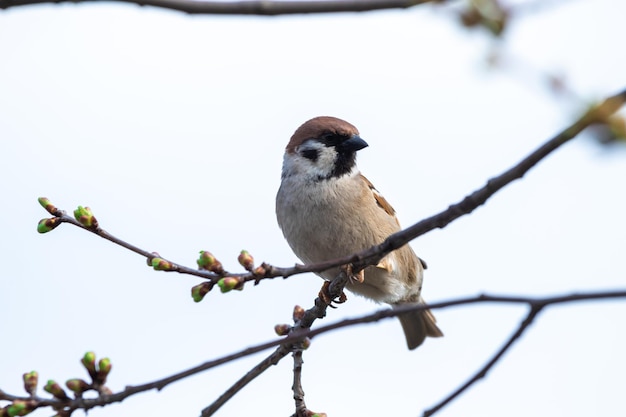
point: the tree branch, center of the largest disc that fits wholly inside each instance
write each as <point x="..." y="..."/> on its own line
<point x="536" y="304"/>
<point x="595" y="115"/>
<point x="482" y="372"/>
<point x="258" y="8"/>
<point x="303" y="322"/>
<point x="273" y="359"/>
<point x="298" y="391"/>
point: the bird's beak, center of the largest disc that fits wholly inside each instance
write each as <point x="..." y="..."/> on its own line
<point x="355" y="143"/>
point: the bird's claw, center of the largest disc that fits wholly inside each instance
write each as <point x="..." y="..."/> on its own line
<point x="325" y="296"/>
<point x="357" y="278"/>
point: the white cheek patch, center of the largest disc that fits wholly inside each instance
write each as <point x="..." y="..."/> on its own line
<point x="321" y="167"/>
<point x="326" y="159"/>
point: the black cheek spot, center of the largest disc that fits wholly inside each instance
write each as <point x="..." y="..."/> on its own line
<point x="311" y="154"/>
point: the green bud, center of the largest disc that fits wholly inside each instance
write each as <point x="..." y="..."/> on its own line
<point x="209" y="262"/>
<point x="282" y="329"/>
<point x="46" y="225"/>
<point x="104" y="365"/>
<point x="199" y="291"/>
<point x="104" y="368"/>
<point x="77" y="385"/>
<point x="31" y="379"/>
<point x="160" y="264"/>
<point x="85" y="217"/>
<point x="50" y="208"/>
<point x="230" y="283"/>
<point x="306" y="342"/>
<point x="55" y="389"/>
<point x="89" y="362"/>
<point x="246" y="260"/>
<point x="18" y="408"/>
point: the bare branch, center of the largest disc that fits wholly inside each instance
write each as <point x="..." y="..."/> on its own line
<point x="482" y="372"/>
<point x="293" y="342"/>
<point x="273" y="359"/>
<point x="536" y="304"/>
<point x="258" y="8"/>
<point x="595" y="115"/>
<point x="298" y="391"/>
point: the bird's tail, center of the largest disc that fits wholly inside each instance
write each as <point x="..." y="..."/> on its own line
<point x="417" y="325"/>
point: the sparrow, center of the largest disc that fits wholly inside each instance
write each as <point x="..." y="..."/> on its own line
<point x="327" y="209"/>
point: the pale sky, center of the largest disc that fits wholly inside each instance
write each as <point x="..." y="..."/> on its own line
<point x="172" y="128"/>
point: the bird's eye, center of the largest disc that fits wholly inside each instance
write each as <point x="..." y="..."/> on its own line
<point x="311" y="154"/>
<point x="333" y="139"/>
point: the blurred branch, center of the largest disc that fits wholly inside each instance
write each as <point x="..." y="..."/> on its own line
<point x="258" y="8"/>
<point x="536" y="305"/>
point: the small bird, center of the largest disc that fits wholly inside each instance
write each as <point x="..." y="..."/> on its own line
<point x="327" y="209"/>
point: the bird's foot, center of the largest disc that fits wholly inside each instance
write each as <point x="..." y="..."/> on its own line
<point x="325" y="296"/>
<point x="357" y="278"/>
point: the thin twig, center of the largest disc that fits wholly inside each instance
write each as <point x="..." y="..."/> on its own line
<point x="373" y="255"/>
<point x="258" y="8"/>
<point x="482" y="372"/>
<point x="291" y="343"/>
<point x="273" y="359"/>
<point x="87" y="404"/>
<point x="298" y="391"/>
<point x="597" y="114"/>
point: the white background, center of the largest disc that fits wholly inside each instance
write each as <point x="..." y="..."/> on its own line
<point x="172" y="127"/>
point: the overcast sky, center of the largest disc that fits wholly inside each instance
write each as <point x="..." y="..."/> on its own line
<point x="172" y="128"/>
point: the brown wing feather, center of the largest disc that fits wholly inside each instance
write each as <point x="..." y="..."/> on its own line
<point x="380" y="200"/>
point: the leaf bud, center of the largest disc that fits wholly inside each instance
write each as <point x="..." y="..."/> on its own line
<point x="160" y="264"/>
<point x="230" y="283"/>
<point x="77" y="385"/>
<point x="85" y="217"/>
<point x="246" y="260"/>
<point x="199" y="291"/>
<point x="298" y="313"/>
<point x="46" y="204"/>
<point x="31" y="379"/>
<point x="104" y="368"/>
<point x="282" y="329"/>
<point x="89" y="362"/>
<point x="55" y="389"/>
<point x="46" y="225"/>
<point x="209" y="262"/>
